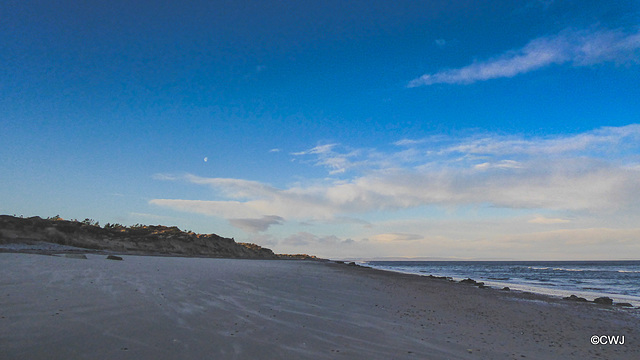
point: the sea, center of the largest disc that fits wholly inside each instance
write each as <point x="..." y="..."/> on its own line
<point x="619" y="280"/>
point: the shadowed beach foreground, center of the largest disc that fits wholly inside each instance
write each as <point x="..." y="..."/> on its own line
<point x="144" y="307"/>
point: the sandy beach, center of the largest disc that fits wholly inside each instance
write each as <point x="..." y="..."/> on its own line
<point x="54" y="307"/>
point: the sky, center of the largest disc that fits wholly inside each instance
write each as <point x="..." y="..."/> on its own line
<point x="343" y="129"/>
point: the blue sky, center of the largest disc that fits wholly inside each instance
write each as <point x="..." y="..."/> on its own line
<point x="456" y="129"/>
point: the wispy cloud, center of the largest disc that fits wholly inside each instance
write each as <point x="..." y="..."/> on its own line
<point x="599" y="140"/>
<point x="328" y="156"/>
<point x="576" y="47"/>
<point x="320" y="149"/>
<point x="502" y="164"/>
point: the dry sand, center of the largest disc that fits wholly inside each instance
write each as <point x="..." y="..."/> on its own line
<point x="193" y="308"/>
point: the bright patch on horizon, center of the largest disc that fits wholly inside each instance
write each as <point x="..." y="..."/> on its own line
<point x="547" y="221"/>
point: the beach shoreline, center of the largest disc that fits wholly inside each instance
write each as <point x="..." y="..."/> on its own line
<point x="175" y="307"/>
<point x="550" y="289"/>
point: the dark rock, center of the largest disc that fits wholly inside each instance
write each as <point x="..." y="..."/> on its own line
<point x="575" y="298"/>
<point x="506" y="288"/>
<point x="468" y="281"/>
<point x="113" y="257"/>
<point x="624" y="304"/>
<point x="603" y="300"/>
<point x="483" y="286"/>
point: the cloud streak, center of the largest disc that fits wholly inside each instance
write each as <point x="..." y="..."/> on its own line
<point x="598" y="141"/>
<point x="326" y="155"/>
<point x="257" y="225"/>
<point x="578" y="48"/>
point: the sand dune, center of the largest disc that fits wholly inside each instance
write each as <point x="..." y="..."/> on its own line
<point x="198" y="308"/>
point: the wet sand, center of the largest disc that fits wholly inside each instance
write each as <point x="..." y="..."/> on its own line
<point x="148" y="307"/>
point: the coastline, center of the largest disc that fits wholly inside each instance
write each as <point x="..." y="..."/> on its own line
<point x="166" y="307"/>
<point x="551" y="289"/>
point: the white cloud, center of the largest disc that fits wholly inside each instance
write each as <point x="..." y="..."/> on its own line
<point x="592" y="178"/>
<point x="579" y="48"/>
<point x="551" y="185"/>
<point x="223" y="209"/>
<point x="502" y="164"/>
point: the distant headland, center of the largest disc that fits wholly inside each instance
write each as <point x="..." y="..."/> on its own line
<point x="54" y="234"/>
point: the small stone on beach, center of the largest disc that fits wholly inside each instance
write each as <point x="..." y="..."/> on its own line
<point x="575" y="298"/>
<point x="603" y="300"/>
<point x="624" y="304"/>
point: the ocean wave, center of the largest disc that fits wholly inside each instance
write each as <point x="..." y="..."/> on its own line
<point x="599" y="270"/>
<point x="583" y="270"/>
<point x="588" y="277"/>
<point x="563" y="269"/>
<point x="580" y="270"/>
